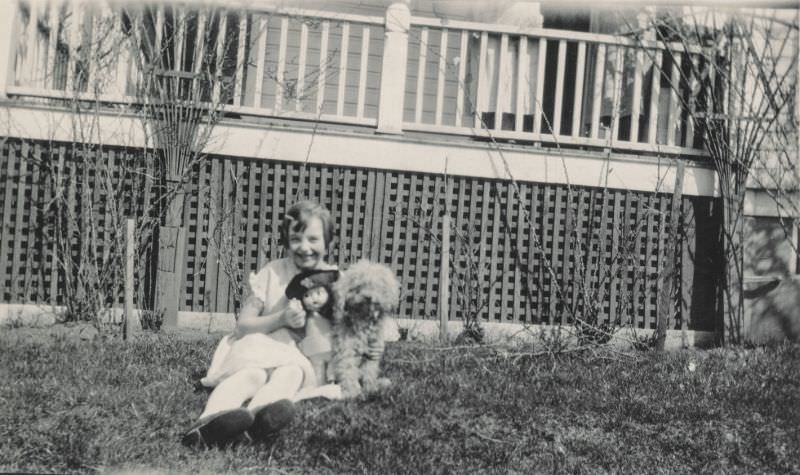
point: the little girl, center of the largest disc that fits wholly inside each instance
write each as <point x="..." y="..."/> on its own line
<point x="261" y="362"/>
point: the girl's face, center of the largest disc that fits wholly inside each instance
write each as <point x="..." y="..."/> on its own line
<point x="307" y="247"/>
<point x="315" y="298"/>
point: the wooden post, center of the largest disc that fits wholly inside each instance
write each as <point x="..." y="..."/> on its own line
<point x="171" y="249"/>
<point x="169" y="278"/>
<point x="665" y="307"/>
<point x="444" y="279"/>
<point x="393" y="72"/>
<point x="131" y="323"/>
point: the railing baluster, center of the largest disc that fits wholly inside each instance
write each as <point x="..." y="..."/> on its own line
<point x="42" y="47"/>
<point x="362" y="76"/>
<point x="462" y="75"/>
<point x="54" y="21"/>
<point x="636" y="105"/>
<point x="301" y="66"/>
<point x="617" y="98"/>
<point x="423" y="57"/>
<point x="747" y="98"/>
<point x="523" y="86"/>
<point x="480" y="101"/>
<point x="240" y="59"/>
<point x="501" y="91"/>
<point x="280" y="80"/>
<point x="123" y="59"/>
<point x="222" y="32"/>
<point x="323" y="65"/>
<point x="260" y="60"/>
<point x="199" y="52"/>
<point x="537" y="107"/>
<point x="693" y="93"/>
<point x="712" y="79"/>
<point x="655" y="92"/>
<point x="74" y="39"/>
<point x="674" y="116"/>
<point x="200" y="42"/>
<point x="180" y="36"/>
<point x="441" y="72"/>
<point x="342" y="69"/>
<point x="597" y="89"/>
<point x="92" y="62"/>
<point x="710" y="91"/>
<point x="577" y="102"/>
<point x="728" y="109"/>
<point x="158" y="48"/>
<point x="562" y="55"/>
<point x="137" y="28"/>
<point x="29" y="75"/>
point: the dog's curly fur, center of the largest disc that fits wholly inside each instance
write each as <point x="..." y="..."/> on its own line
<point x="365" y="293"/>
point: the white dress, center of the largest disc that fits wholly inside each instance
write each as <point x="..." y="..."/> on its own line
<point x="258" y="350"/>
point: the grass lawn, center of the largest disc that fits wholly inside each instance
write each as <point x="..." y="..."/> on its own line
<point x="68" y="405"/>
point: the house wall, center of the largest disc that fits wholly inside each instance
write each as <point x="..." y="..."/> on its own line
<point x="772" y="208"/>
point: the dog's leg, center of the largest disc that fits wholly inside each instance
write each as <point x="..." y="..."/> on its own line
<point x="370" y="368"/>
<point x="345" y="369"/>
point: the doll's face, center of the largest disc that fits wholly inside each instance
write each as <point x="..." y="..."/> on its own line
<point x="315" y="298"/>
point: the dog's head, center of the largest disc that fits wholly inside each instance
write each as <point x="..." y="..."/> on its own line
<point x="365" y="293"/>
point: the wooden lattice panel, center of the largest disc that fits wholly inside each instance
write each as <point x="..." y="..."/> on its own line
<point x="534" y="249"/>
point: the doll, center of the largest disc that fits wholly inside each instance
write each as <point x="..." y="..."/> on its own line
<point x="313" y="291"/>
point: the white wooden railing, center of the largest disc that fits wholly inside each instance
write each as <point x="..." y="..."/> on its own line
<point x="542" y="85"/>
<point x="395" y="73"/>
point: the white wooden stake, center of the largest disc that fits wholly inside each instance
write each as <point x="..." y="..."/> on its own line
<point x="131" y="322"/>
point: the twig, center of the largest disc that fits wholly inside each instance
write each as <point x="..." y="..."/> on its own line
<point x="455" y="348"/>
<point x="486" y="437"/>
<point x="551" y="352"/>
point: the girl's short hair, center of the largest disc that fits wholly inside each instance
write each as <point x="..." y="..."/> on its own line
<point x="297" y="218"/>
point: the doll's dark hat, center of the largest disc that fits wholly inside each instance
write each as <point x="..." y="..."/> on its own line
<point x="307" y="280"/>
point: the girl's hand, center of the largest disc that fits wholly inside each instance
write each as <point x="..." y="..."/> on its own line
<point x="294" y="316"/>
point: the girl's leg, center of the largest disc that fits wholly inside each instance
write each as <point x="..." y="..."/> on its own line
<point x="234" y="390"/>
<point x="272" y="406"/>
<point x="284" y="382"/>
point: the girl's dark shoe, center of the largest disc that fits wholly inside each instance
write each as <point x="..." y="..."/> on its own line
<point x="270" y="419"/>
<point x="219" y="429"/>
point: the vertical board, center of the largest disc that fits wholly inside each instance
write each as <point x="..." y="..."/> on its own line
<point x="688" y="251"/>
<point x="495" y="256"/>
<point x="8" y="182"/>
<point x="212" y="258"/>
<point x="20" y="224"/>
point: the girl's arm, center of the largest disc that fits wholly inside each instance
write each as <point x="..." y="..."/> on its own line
<point x="251" y="320"/>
